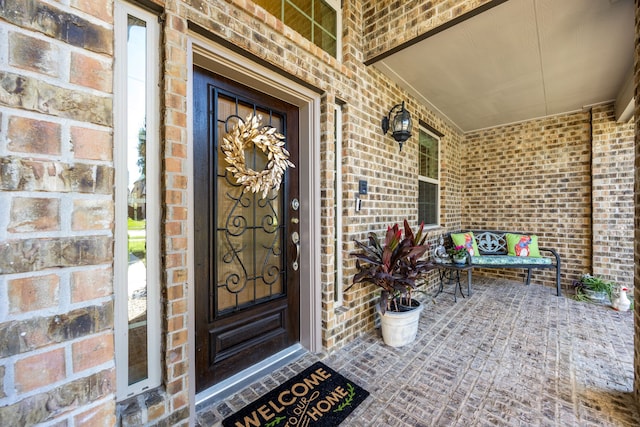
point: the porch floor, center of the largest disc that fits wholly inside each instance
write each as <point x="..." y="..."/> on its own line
<point x="510" y="355"/>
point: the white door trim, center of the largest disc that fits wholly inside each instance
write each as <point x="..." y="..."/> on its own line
<point x="222" y="61"/>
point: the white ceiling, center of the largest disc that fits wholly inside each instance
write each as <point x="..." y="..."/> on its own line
<point x="520" y="60"/>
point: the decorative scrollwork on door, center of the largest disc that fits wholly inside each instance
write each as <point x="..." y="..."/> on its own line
<point x="249" y="232"/>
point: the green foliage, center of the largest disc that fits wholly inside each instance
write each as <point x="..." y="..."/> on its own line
<point x="133" y="224"/>
<point x="458" y="252"/>
<point x="137" y="240"/>
<point x="393" y="266"/>
<point x="592" y="283"/>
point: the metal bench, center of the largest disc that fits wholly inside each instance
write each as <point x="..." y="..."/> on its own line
<point x="492" y="246"/>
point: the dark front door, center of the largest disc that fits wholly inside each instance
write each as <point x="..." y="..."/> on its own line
<point x="246" y="245"/>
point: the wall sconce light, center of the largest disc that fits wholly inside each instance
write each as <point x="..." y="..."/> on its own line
<point x="401" y="125"/>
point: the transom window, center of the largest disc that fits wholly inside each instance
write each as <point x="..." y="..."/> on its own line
<point x="429" y="178"/>
<point x="317" y="20"/>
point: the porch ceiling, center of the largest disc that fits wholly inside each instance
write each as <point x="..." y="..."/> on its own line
<point x="520" y="60"/>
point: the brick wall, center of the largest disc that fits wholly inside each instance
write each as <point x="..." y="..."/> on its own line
<point x="612" y="196"/>
<point x="537" y="176"/>
<point x="56" y="214"/>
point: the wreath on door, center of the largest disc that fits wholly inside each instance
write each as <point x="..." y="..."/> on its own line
<point x="243" y="136"/>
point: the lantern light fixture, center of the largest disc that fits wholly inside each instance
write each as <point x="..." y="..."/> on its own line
<point x="400" y="126"/>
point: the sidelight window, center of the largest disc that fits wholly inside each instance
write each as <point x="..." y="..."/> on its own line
<point x="137" y="195"/>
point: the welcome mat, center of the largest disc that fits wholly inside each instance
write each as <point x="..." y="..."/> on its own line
<point x="316" y="397"/>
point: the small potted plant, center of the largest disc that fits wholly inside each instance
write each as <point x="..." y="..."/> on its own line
<point x="459" y="254"/>
<point x="593" y="288"/>
<point x="394" y="266"/>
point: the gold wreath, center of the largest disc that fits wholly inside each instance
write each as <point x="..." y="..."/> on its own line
<point x="241" y="137"/>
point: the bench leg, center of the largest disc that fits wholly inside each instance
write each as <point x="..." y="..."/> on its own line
<point x="528" y="276"/>
<point x="468" y="283"/>
<point x="558" y="289"/>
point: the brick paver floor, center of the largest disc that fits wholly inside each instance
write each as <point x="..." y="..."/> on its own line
<point x="511" y="355"/>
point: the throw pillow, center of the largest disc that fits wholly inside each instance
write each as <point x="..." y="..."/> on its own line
<point x="522" y="245"/>
<point x="467" y="240"/>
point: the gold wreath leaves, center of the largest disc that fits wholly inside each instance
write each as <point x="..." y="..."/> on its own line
<point x="241" y="137"/>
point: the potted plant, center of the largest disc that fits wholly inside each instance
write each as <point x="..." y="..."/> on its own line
<point x="593" y="288"/>
<point x="459" y="254"/>
<point x="394" y="266"/>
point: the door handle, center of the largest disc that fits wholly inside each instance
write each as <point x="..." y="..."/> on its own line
<point x="295" y="238"/>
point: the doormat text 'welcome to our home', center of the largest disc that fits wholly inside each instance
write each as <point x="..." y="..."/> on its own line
<point x="316" y="397"/>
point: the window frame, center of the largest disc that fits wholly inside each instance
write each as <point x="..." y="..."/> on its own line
<point x="153" y="196"/>
<point x="422" y="178"/>
<point x="338" y="191"/>
<point x="336" y="5"/>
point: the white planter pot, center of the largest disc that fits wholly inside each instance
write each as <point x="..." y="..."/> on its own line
<point x="595" y="296"/>
<point x="399" y="328"/>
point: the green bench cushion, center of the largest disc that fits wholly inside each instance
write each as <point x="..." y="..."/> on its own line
<point x="508" y="260"/>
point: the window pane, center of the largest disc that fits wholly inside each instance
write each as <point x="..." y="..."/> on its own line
<point x="304" y="5"/>
<point x="325" y="16"/>
<point x="428" y="155"/>
<point x="297" y="21"/>
<point x="325" y="41"/>
<point x="137" y="231"/>
<point x="427" y="203"/>
<point x="272" y="6"/>
<point x="315" y="20"/>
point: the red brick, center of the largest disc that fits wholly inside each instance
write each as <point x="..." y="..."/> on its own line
<point x="173" y="197"/>
<point x="173" y="164"/>
<point x="91" y="144"/>
<point x="34" y="214"/>
<point x="39" y="370"/>
<point x="30" y="53"/>
<point x="179" y="182"/>
<point x="92" y="352"/>
<point x="173" y="228"/>
<point x="33" y="293"/>
<point x="177" y="213"/>
<point x="175" y="323"/>
<point x="101" y="416"/>
<point x="175" y="292"/>
<point x="178" y="243"/>
<point x="174" y="260"/>
<point x="91" y="72"/>
<point x="46" y="98"/>
<point x="33" y="136"/>
<point x="92" y="214"/>
<point x="179" y="276"/>
<point x="178" y="307"/>
<point x="179" y="400"/>
<point x="179" y="150"/>
<point x="178" y="338"/>
<point x="91" y="284"/>
<point x="155" y="411"/>
<point x="99" y="9"/>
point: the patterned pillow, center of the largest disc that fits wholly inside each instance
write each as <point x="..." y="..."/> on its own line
<point x="522" y="245"/>
<point x="467" y="240"/>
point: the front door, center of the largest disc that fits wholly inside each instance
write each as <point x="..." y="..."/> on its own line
<point x="246" y="244"/>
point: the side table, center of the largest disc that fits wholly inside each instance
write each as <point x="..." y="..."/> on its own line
<point x="451" y="273"/>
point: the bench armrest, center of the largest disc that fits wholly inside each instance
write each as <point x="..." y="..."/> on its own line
<point x="553" y="252"/>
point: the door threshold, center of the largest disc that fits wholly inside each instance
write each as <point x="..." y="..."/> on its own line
<point x="242" y="379"/>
